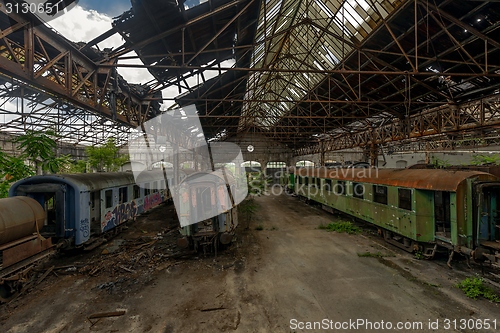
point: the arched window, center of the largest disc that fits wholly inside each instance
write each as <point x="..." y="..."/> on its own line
<point x="401" y="164"/>
<point x="304" y="163"/>
<point x="250" y="164"/>
<point x="158" y="165"/>
<point x="275" y="165"/>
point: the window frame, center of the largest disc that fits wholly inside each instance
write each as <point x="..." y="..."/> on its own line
<point x="381" y="198"/>
<point x="108" y="195"/>
<point x="136" y="191"/>
<point x="405" y="207"/>
<point x="342" y="184"/>
<point x="354" y="193"/>
<point x="328" y="182"/>
<point x="122" y="194"/>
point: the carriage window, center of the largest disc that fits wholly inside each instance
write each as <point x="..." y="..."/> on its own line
<point x="123" y="194"/>
<point x="155" y="187"/>
<point x="299" y="179"/>
<point x="380" y="194"/>
<point x="358" y="190"/>
<point x="137" y="191"/>
<point x="318" y="182"/>
<point x="109" y="198"/>
<point x="328" y="185"/>
<point x="404" y="196"/>
<point x="306" y="180"/>
<point x="92" y="199"/>
<point x="340" y="187"/>
<point x="147" y="190"/>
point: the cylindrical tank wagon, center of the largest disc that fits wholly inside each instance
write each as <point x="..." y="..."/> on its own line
<point x="19" y="217"/>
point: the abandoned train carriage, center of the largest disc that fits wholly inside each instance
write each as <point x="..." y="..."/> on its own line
<point x="78" y="206"/>
<point x="211" y="196"/>
<point x="415" y="209"/>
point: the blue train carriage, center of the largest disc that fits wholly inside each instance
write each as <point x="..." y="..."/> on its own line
<point x="79" y="206"/>
<point x="416" y="210"/>
<point x="210" y="201"/>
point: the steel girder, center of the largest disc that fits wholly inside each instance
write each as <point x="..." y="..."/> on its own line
<point x="53" y="71"/>
<point x="454" y="121"/>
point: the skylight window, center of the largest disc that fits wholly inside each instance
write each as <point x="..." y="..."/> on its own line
<point x="303" y="47"/>
<point x="325" y="9"/>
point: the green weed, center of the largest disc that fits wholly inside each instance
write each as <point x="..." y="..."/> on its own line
<point x="340" y="227"/>
<point x="419" y="255"/>
<point x="259" y="227"/>
<point x="474" y="288"/>
<point x="247" y="210"/>
<point x="374" y="255"/>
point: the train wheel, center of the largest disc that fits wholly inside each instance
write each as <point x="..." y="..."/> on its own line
<point x="6" y="292"/>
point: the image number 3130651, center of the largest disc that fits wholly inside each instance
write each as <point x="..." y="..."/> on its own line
<point x="45" y="10"/>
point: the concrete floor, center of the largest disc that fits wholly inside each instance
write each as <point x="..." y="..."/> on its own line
<point x="270" y="280"/>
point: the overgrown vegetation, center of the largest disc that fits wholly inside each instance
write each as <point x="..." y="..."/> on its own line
<point x="341" y="227"/>
<point x="486" y="159"/>
<point x="256" y="183"/>
<point x="38" y="155"/>
<point x="107" y="157"/>
<point x="419" y="255"/>
<point x="474" y="288"/>
<point x="439" y="163"/>
<point x="247" y="210"/>
<point x="374" y="255"/>
<point x="12" y="169"/>
<point x="39" y="148"/>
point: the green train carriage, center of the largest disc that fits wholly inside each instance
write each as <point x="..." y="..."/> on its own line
<point x="417" y="210"/>
<point x="287" y="180"/>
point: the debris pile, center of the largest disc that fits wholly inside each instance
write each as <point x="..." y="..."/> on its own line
<point x="144" y="254"/>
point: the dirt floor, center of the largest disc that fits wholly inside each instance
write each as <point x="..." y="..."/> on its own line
<point x="281" y="274"/>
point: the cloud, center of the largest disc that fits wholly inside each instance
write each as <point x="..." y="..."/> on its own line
<point x="82" y="25"/>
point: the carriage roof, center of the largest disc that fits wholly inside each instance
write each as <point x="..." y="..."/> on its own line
<point x="95" y="181"/>
<point x="436" y="179"/>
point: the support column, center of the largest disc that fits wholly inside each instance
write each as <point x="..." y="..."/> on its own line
<point x="374" y="155"/>
<point x="322" y="154"/>
<point x="175" y="163"/>
<point x="263" y="167"/>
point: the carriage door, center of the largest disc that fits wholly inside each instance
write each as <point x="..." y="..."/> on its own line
<point x="488" y="216"/>
<point x="109" y="199"/>
<point x="442" y="215"/>
<point x="95" y="212"/>
<point x="52" y="197"/>
<point x="184" y="207"/>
